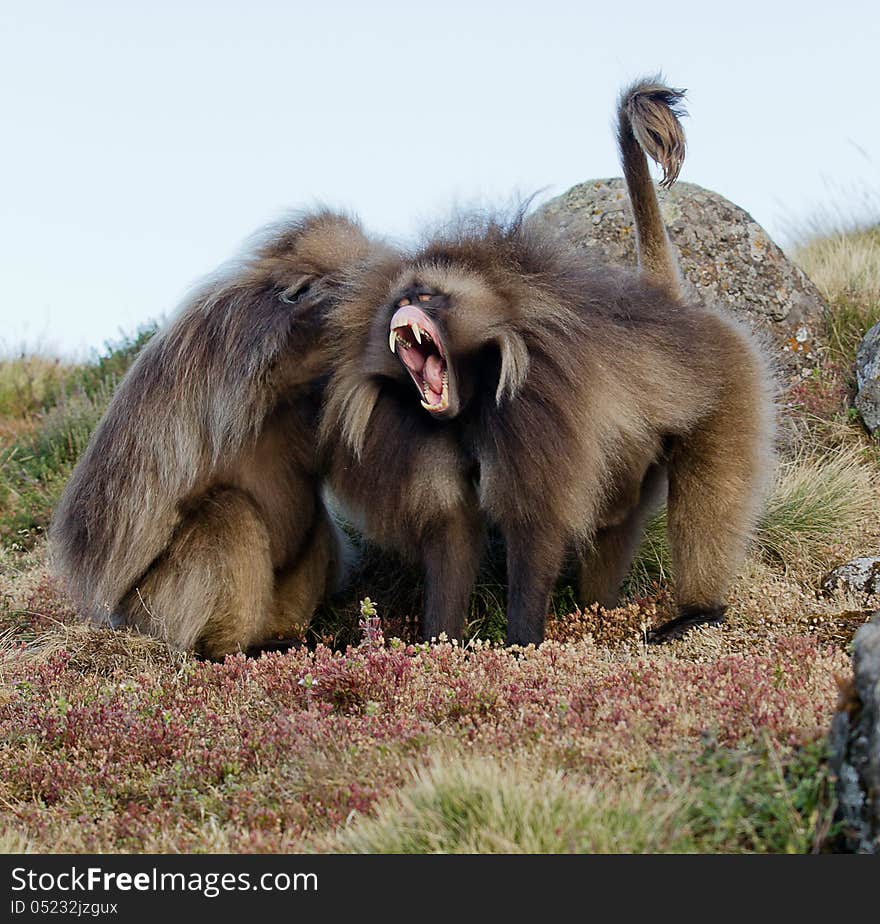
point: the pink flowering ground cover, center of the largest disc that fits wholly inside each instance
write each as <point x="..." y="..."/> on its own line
<point x="109" y="742"/>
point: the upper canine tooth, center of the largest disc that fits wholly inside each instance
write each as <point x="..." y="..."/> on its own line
<point x="415" y="329"/>
<point x="392" y="341"/>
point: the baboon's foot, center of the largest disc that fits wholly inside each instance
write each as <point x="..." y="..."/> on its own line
<point x="691" y="616"/>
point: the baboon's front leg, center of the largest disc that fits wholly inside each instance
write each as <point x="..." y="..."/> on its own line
<point x="533" y="564"/>
<point x="451" y="559"/>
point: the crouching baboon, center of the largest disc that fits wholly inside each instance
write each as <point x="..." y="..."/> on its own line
<point x="571" y="396"/>
<point x="195" y="512"/>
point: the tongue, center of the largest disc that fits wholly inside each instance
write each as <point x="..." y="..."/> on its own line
<point x="432" y="373"/>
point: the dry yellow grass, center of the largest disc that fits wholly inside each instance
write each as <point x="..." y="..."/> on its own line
<point x="28" y="383"/>
<point x="846" y="269"/>
<point x="14" y="841"/>
<point x="843" y="264"/>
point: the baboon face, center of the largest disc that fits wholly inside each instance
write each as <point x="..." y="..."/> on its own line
<point x="419" y="338"/>
<point x="448" y="330"/>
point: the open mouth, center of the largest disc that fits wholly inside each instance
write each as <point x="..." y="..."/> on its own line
<point x="418" y="346"/>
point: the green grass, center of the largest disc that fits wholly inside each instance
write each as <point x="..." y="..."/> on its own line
<point x="35" y="465"/>
<point x="817" y="501"/>
<point x="765" y="799"/>
<point x="30" y="383"/>
<point x="110" y="365"/>
<point x="760" y="800"/>
<point x="34" y="468"/>
<point x="653" y="562"/>
<point x="846" y="323"/>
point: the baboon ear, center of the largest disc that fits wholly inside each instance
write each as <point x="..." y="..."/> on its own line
<point x="295" y="291"/>
<point x="514" y="365"/>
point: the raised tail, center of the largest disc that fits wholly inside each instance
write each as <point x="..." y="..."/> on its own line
<point x="648" y="123"/>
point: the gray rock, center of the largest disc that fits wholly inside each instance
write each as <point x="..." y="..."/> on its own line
<point x="868" y="378"/>
<point x="854" y="745"/>
<point x="725" y="256"/>
<point x="859" y="574"/>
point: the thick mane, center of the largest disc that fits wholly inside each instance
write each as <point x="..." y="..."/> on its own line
<point x="196" y="397"/>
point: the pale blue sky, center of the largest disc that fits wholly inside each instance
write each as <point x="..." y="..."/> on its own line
<point x="143" y="142"/>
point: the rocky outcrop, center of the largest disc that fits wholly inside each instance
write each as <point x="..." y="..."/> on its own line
<point x="868" y="378"/>
<point x="855" y="747"/>
<point x="861" y="575"/>
<point x="727" y="258"/>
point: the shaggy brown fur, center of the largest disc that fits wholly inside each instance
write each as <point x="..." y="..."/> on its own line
<point x="194" y="513"/>
<point x="399" y="475"/>
<point x="571" y="394"/>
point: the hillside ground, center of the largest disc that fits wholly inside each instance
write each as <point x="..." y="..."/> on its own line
<point x="356" y="741"/>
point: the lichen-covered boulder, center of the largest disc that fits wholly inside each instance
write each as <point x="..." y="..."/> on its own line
<point x="726" y="257"/>
<point x="868" y="378"/>
<point x="855" y="747"/>
<point x="861" y="575"/>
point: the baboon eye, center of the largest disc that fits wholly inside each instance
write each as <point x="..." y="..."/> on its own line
<point x="422" y="297"/>
<point x="434" y="299"/>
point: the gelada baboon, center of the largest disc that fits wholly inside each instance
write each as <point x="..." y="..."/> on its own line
<point x="399" y="474"/>
<point x="573" y="396"/>
<point x="195" y="513"/>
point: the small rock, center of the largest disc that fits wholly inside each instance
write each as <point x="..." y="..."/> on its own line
<point x="859" y="574"/>
<point x="868" y="378"/>
<point x="854" y="745"/>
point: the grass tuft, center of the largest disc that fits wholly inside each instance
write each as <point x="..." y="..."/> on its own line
<point x="13" y="841"/>
<point x="728" y="801"/>
<point x="486" y="806"/>
<point x="817" y="502"/>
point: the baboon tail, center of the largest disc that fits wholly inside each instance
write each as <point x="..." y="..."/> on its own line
<point x="648" y="115"/>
